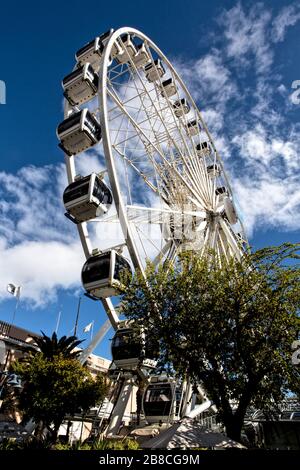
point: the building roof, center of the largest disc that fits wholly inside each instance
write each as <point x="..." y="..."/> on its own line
<point x="13" y="333"/>
<point x="19" y="336"/>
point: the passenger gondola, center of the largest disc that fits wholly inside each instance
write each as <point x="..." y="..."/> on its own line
<point x="154" y="70"/>
<point x="129" y="46"/>
<point x="193" y="127"/>
<point x="123" y="50"/>
<point x="132" y="348"/>
<point x="181" y="107"/>
<point x="230" y="210"/>
<point x="92" y="51"/>
<point x="160" y="400"/>
<point x="213" y="170"/>
<point x="241" y="241"/>
<point x="168" y="88"/>
<point x="86" y="198"/>
<point x="78" y="132"/>
<point x="142" y="57"/>
<point x="221" y="192"/>
<point x="81" y="85"/>
<point x="102" y="273"/>
<point x="203" y="149"/>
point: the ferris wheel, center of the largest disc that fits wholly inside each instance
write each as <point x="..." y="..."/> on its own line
<point x="161" y="184"/>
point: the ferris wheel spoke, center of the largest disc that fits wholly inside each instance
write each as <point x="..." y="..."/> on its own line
<point x="146" y="91"/>
<point x="231" y="240"/>
<point x="186" y="149"/>
<point x="215" y="230"/>
<point x="223" y="251"/>
<point x="147" y="244"/>
<point x="167" y="136"/>
<point x="207" y="234"/>
<point x="123" y="142"/>
<point x="159" y="258"/>
<point x="143" y="175"/>
<point x="189" y="188"/>
<point x="160" y="216"/>
<point x="173" y="252"/>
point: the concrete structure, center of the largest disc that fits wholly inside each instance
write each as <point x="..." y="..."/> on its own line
<point x="97" y="364"/>
<point x="14" y="342"/>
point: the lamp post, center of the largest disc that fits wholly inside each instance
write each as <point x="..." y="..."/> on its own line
<point x="77" y="316"/>
<point x="8" y="379"/>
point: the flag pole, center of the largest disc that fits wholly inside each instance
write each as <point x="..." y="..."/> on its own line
<point x="92" y="329"/>
<point x="77" y="316"/>
<point x="15" y="308"/>
<point x="58" y="321"/>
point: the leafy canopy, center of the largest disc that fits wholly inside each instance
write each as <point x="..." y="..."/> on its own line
<point x="55" y="383"/>
<point x="225" y="323"/>
<point x="53" y="346"/>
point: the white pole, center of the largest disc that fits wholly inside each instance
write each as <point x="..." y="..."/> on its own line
<point x="16" y="306"/>
<point x="92" y="330"/>
<point x="58" y="322"/>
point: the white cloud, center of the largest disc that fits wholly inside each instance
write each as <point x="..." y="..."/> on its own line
<point x="269" y="202"/>
<point x="208" y="79"/>
<point x="89" y="162"/>
<point x="288" y="16"/>
<point x="246" y="36"/>
<point x="259" y="145"/>
<point x="41" y="268"/>
<point x="282" y="89"/>
<point x="249" y="119"/>
<point x="263" y="109"/>
<point x="267" y="182"/>
<point x="38" y="246"/>
<point x="31" y="204"/>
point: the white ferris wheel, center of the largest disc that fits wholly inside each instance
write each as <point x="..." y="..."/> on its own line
<point x="162" y="181"/>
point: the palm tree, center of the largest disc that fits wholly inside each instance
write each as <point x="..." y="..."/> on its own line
<point x="51" y="347"/>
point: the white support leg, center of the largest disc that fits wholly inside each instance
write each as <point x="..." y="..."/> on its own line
<point x="95" y="341"/>
<point x="120" y="408"/>
<point x="111" y="321"/>
<point x="186" y="407"/>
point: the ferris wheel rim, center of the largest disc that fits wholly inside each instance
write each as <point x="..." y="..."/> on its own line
<point x="123" y="219"/>
<point x="106" y="62"/>
<point x="110" y="158"/>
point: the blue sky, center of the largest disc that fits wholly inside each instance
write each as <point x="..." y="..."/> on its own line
<point x="239" y="60"/>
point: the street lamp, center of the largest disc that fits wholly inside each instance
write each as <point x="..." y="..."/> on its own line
<point x="11" y="380"/>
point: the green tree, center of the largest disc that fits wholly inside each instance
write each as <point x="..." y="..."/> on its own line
<point x="53" y="346"/>
<point x="228" y="325"/>
<point x="56" y="387"/>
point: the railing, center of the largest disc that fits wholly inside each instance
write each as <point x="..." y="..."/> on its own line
<point x="209" y="422"/>
<point x="288" y="405"/>
<point x="291" y="404"/>
<point x="4" y="328"/>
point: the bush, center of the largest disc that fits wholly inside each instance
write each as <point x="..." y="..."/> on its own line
<point x="9" y="443"/>
<point x="115" y="444"/>
<point x="37" y="444"/>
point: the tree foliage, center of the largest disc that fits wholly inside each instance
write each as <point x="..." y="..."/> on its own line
<point x="229" y="325"/>
<point x="56" y="385"/>
<point x="53" y="346"/>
